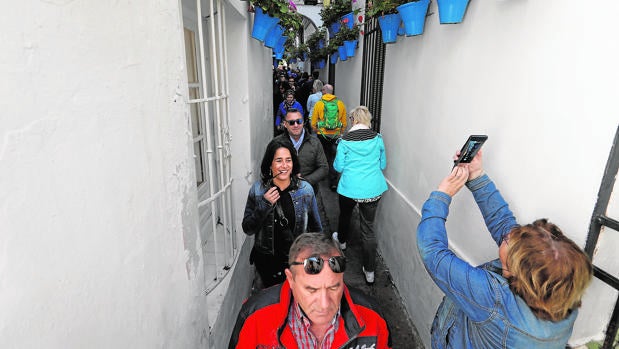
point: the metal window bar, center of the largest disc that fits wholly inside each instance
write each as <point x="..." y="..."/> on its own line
<point x="218" y="199"/>
<point x="373" y="71"/>
<point x="599" y="220"/>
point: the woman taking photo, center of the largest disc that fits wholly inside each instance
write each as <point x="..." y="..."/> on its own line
<point x="360" y="158"/>
<point x="279" y="207"/>
<point x="528" y="298"/>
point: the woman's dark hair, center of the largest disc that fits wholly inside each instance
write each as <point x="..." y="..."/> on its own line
<point x="285" y="85"/>
<point x="269" y="154"/>
<point x="289" y="92"/>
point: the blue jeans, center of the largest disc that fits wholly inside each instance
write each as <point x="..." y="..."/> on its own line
<point x="367" y="214"/>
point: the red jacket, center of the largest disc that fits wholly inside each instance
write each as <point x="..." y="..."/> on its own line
<point x="262" y="322"/>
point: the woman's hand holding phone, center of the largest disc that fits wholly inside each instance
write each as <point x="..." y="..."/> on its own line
<point x="451" y="184"/>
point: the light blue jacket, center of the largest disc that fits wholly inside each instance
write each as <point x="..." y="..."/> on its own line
<point x="479" y="310"/>
<point x="361" y="160"/>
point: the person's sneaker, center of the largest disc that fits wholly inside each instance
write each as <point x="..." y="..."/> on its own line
<point x="342" y="245"/>
<point x="369" y="276"/>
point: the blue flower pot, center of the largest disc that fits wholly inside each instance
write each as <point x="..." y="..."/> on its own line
<point x="350" y="46"/>
<point x="389" y="27"/>
<point x="279" y="55"/>
<point x="451" y="11"/>
<point x="348" y="19"/>
<point x="414" y="16"/>
<point x="273" y="36"/>
<point x="263" y="23"/>
<point x="334" y="28"/>
<point x="321" y="64"/>
<point x="333" y="58"/>
<point x="401" y="30"/>
<point x="321" y="43"/>
<point x="279" y="48"/>
<point x="342" y="51"/>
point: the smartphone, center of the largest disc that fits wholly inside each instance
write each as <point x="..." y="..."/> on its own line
<point x="470" y="148"/>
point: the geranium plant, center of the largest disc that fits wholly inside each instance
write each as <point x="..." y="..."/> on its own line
<point x="348" y="34"/>
<point x="312" y="41"/>
<point x="275" y="7"/>
<point x="383" y="7"/>
<point x="332" y="13"/>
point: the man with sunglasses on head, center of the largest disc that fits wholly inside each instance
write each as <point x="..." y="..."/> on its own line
<point x="312" y="160"/>
<point x="313" y="308"/>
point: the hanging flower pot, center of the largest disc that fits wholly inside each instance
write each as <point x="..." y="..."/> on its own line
<point x="321" y="43"/>
<point x="334" y="28"/>
<point x="333" y="57"/>
<point x="414" y="16"/>
<point x="401" y="30"/>
<point x="279" y="55"/>
<point x="451" y="11"/>
<point x="279" y="47"/>
<point x="273" y="36"/>
<point x="348" y="19"/>
<point x="263" y="23"/>
<point x="389" y="27"/>
<point x="350" y="46"/>
<point x="320" y="64"/>
<point x="342" y="52"/>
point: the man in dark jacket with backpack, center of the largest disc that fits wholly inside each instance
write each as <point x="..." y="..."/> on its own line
<point x="329" y="122"/>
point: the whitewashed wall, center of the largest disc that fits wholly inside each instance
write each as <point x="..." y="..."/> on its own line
<point x="98" y="242"/>
<point x="539" y="79"/>
<point x="251" y="109"/>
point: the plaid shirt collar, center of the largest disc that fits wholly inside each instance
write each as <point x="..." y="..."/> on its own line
<point x="300" y="325"/>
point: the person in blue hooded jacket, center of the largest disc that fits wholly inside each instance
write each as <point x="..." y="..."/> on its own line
<point x="360" y="159"/>
<point x="527" y="298"/>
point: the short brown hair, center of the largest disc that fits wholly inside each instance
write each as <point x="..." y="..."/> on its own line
<point x="548" y="270"/>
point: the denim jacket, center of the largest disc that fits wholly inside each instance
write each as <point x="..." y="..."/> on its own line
<point x="479" y="310"/>
<point x="259" y="218"/>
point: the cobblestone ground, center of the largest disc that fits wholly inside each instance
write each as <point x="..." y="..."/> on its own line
<point x="403" y="333"/>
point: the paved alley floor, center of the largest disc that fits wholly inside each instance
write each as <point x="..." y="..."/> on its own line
<point x="403" y="333"/>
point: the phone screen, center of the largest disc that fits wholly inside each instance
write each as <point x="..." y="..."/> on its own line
<point x="470" y="148"/>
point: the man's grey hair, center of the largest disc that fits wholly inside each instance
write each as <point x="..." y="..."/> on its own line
<point x="327" y="89"/>
<point x="318" y="243"/>
<point x="317" y="85"/>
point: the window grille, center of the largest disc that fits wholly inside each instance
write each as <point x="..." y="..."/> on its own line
<point x="206" y="56"/>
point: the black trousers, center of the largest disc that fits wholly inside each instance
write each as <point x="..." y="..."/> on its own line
<point x="329" y="145"/>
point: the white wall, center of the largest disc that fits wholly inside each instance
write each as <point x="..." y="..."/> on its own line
<point x="251" y="110"/>
<point x="99" y="246"/>
<point x="537" y="78"/>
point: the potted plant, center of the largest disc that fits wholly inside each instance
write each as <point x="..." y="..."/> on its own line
<point x="413" y="15"/>
<point x="299" y="52"/>
<point x="317" y="39"/>
<point x="267" y="15"/>
<point x="350" y="37"/>
<point x="388" y="17"/>
<point x="332" y="50"/>
<point x="318" y="56"/>
<point x="451" y="11"/>
<point x="332" y="14"/>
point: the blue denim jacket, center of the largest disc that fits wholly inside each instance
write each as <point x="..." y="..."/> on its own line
<point x="258" y="218"/>
<point x="479" y="310"/>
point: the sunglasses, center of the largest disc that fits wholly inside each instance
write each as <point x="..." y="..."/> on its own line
<point x="313" y="265"/>
<point x="297" y="121"/>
